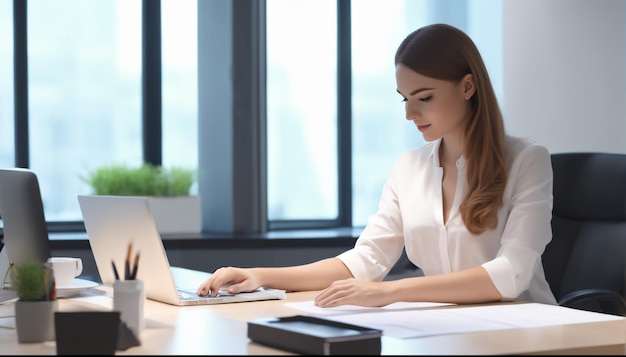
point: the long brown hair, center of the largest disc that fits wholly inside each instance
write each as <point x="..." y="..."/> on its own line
<point x="444" y="52"/>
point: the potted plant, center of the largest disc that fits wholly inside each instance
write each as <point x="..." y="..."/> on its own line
<point x="174" y="208"/>
<point x="33" y="283"/>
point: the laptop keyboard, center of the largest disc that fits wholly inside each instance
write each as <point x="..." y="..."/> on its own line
<point x="184" y="295"/>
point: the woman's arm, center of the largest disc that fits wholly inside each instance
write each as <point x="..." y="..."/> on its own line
<point x="463" y="287"/>
<point x="312" y="276"/>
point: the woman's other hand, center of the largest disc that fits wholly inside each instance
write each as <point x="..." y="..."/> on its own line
<point x="355" y="292"/>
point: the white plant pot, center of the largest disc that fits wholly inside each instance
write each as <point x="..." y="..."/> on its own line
<point x="177" y="215"/>
<point x="34" y="320"/>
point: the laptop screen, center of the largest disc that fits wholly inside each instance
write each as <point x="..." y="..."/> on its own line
<point x="25" y="234"/>
<point x="112" y="223"/>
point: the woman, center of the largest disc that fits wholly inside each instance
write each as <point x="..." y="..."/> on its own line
<point x="472" y="207"/>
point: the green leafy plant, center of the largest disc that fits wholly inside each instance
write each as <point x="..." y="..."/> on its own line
<point x="32" y="281"/>
<point x="145" y="180"/>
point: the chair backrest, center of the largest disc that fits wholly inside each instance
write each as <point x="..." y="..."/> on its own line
<point x="588" y="248"/>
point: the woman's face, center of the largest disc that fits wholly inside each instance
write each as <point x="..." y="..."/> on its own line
<point x="437" y="107"/>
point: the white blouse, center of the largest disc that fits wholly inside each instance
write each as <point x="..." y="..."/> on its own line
<point x="410" y="215"/>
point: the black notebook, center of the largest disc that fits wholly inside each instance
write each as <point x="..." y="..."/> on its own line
<point x="315" y="336"/>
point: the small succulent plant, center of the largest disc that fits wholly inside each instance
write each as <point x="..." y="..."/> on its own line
<point x="32" y="281"/>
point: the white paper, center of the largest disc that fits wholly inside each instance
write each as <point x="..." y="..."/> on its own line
<point x="410" y="320"/>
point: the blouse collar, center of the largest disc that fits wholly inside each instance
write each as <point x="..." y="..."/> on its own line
<point x="460" y="162"/>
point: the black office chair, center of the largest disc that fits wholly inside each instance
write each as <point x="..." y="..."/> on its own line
<point x="585" y="263"/>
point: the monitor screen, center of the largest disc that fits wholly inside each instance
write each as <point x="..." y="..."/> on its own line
<point x="25" y="234"/>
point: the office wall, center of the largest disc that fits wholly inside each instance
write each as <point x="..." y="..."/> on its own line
<point x="565" y="73"/>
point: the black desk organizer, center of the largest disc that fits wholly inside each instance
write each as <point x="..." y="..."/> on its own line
<point x="315" y="336"/>
<point x="92" y="333"/>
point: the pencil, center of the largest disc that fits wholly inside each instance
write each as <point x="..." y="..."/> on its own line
<point x="117" y="276"/>
<point x="133" y="276"/>
<point x="127" y="262"/>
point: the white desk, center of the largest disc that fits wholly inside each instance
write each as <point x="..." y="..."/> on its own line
<point x="222" y="330"/>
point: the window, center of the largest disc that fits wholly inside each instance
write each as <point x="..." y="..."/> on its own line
<point x="302" y="109"/>
<point x="380" y="131"/>
<point x="180" y="84"/>
<point x="7" y="142"/>
<point x="301" y="96"/>
<point x="85" y="94"/>
<point x="84" y="80"/>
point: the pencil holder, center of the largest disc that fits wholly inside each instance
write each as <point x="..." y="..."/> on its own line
<point x="128" y="299"/>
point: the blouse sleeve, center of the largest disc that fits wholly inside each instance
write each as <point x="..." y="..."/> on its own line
<point x="380" y="244"/>
<point x="527" y="229"/>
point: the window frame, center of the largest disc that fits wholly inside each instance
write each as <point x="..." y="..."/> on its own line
<point x="237" y="180"/>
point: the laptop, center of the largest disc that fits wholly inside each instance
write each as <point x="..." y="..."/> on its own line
<point x="112" y="222"/>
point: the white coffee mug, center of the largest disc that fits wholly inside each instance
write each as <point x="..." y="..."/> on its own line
<point x="65" y="270"/>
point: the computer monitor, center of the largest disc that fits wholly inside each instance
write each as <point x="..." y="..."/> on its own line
<point x="24" y="228"/>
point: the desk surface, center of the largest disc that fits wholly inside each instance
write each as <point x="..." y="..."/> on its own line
<point x="222" y="330"/>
